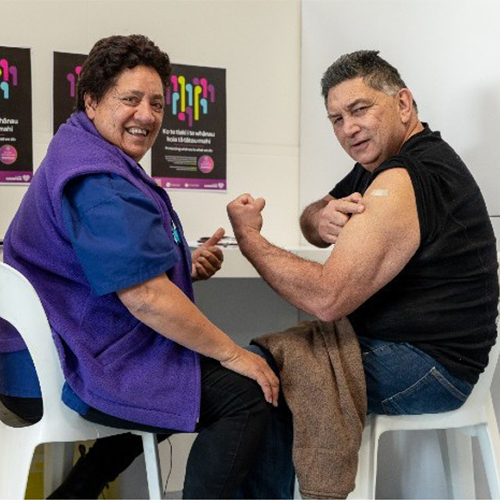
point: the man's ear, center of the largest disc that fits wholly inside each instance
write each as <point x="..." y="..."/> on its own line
<point x="90" y="105"/>
<point x="405" y="104"/>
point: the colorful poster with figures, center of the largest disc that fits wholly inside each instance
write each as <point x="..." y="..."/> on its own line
<point x="67" y="69"/>
<point x="191" y="150"/>
<point x="16" y="133"/>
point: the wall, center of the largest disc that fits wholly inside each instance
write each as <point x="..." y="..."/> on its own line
<point x="257" y="41"/>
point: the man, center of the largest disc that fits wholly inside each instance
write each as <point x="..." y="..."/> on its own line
<point x="414" y="266"/>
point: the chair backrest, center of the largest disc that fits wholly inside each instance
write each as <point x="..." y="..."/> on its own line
<point x="21" y="307"/>
<point x="482" y="388"/>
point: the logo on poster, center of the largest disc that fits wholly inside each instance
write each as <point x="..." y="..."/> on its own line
<point x="8" y="76"/>
<point x="8" y="154"/>
<point x="188" y="99"/>
<point x="206" y="164"/>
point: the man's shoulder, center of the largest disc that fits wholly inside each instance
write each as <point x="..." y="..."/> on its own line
<point x="425" y="145"/>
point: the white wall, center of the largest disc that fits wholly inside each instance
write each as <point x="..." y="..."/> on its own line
<point x="257" y="41"/>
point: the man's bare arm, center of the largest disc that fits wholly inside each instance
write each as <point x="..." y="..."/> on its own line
<point x="371" y="250"/>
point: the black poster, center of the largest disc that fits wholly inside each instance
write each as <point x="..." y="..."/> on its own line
<point x="67" y="69"/>
<point x="16" y="133"/>
<point x="191" y="150"/>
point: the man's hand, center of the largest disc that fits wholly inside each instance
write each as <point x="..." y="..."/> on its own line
<point x="245" y="214"/>
<point x="334" y="216"/>
<point x="208" y="258"/>
<point x="255" y="367"/>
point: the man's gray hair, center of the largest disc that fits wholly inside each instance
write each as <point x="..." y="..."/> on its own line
<point x="367" y="64"/>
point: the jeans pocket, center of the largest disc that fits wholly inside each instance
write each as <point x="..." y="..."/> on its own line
<point x="433" y="393"/>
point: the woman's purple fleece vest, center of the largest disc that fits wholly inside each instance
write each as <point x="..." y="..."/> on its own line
<point x="111" y="360"/>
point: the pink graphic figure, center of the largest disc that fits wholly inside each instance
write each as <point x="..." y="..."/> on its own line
<point x="13" y="73"/>
<point x="204" y="84"/>
<point x="175" y="85"/>
<point x="73" y="81"/>
<point x="72" y="84"/>
<point x="4" y="65"/>
<point x="189" y="113"/>
<point x="211" y="91"/>
<point x="168" y="96"/>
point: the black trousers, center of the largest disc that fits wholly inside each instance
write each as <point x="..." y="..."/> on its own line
<point x="233" y="418"/>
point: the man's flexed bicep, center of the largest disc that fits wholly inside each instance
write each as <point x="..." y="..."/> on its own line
<point x="373" y="246"/>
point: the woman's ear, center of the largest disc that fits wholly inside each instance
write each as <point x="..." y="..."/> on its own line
<point x="90" y="105"/>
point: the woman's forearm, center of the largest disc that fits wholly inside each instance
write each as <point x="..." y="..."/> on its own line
<point x="162" y="306"/>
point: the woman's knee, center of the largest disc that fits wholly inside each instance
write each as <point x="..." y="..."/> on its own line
<point x="255" y="401"/>
<point x="226" y="394"/>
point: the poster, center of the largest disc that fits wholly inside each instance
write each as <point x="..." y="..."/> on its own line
<point x="67" y="69"/>
<point x="16" y="126"/>
<point x="191" y="149"/>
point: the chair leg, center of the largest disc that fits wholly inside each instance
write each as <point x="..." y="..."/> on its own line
<point x="456" y="451"/>
<point x="14" y="471"/>
<point x="58" y="461"/>
<point x="374" y="440"/>
<point x="365" y="478"/>
<point x="153" y="470"/>
<point x="489" y="442"/>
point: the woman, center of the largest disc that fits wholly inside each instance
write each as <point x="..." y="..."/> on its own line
<point x="101" y="244"/>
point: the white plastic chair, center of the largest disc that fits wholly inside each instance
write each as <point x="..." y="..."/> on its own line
<point x="21" y="307"/>
<point x="475" y="418"/>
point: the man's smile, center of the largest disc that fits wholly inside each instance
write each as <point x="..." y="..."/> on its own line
<point x="359" y="145"/>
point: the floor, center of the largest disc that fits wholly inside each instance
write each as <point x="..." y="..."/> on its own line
<point x="7" y="417"/>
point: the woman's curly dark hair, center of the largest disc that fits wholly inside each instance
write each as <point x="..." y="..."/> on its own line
<point x="110" y="56"/>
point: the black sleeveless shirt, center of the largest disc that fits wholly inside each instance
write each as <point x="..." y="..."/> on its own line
<point x="444" y="301"/>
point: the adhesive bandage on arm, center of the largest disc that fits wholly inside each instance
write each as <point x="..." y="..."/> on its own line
<point x="380" y="192"/>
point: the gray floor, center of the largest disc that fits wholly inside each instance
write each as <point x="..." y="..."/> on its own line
<point x="7" y="417"/>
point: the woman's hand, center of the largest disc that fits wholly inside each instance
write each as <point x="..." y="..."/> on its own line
<point x="207" y="259"/>
<point x="255" y="367"/>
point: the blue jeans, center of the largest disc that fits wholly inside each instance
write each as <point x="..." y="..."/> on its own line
<point x="400" y="380"/>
